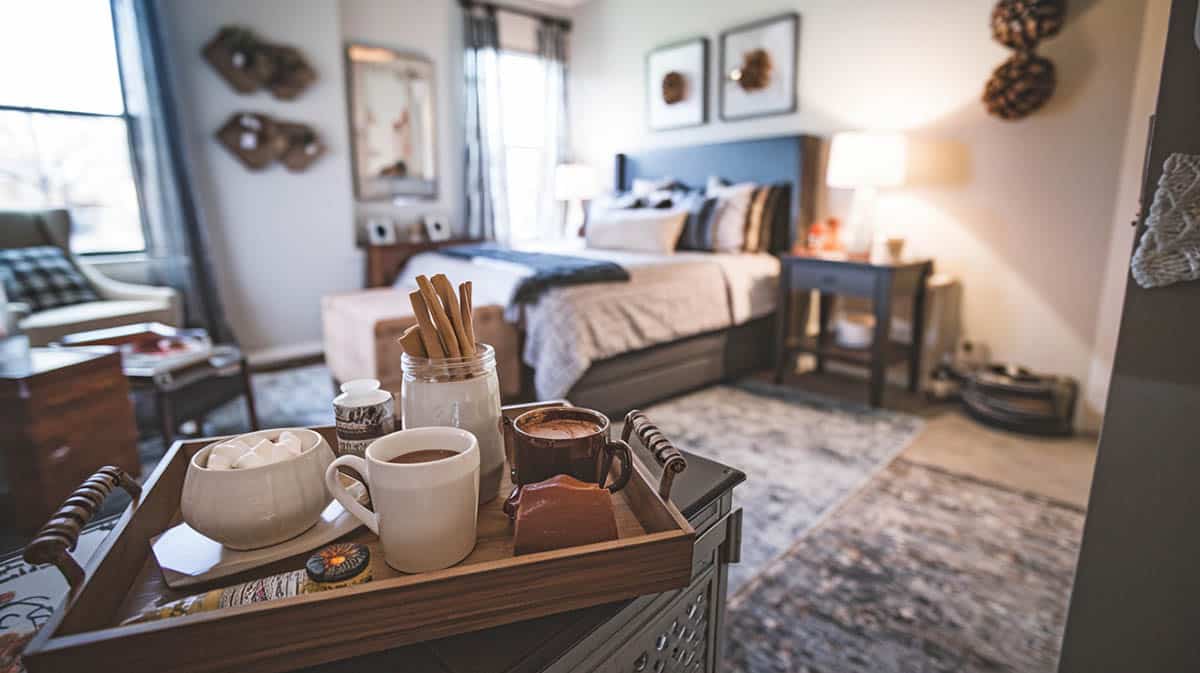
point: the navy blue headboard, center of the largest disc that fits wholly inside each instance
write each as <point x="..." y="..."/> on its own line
<point x="791" y="159"/>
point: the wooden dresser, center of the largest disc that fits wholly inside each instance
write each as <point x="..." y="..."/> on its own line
<point x="63" y="413"/>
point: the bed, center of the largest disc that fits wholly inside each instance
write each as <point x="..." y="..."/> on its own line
<point x="683" y="320"/>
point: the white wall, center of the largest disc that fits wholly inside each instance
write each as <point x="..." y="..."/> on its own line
<point x="1112" y="295"/>
<point x="280" y="240"/>
<point x="434" y="30"/>
<point x="1027" y="220"/>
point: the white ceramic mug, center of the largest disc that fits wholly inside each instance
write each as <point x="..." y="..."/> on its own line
<point x="425" y="513"/>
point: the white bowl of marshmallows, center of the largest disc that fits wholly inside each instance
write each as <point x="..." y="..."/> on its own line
<point x="257" y="489"/>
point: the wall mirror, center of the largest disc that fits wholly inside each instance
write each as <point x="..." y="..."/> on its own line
<point x="392" y="123"/>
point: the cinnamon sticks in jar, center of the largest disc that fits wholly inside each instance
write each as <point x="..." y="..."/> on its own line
<point x="445" y="327"/>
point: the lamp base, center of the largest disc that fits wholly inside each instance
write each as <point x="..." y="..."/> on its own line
<point x="859" y="234"/>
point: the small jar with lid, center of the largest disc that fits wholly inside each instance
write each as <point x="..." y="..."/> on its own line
<point x="463" y="393"/>
<point x="362" y="413"/>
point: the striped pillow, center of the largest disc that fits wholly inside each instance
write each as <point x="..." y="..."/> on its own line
<point x="698" y="228"/>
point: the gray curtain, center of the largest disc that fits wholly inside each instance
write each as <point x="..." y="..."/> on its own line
<point x="177" y="240"/>
<point x="487" y="209"/>
<point x="552" y="47"/>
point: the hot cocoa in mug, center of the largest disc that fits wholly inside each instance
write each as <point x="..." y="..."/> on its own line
<point x="567" y="440"/>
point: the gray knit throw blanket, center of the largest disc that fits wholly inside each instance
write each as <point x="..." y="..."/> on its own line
<point x="1169" y="251"/>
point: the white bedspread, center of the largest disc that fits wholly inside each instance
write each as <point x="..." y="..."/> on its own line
<point x="668" y="297"/>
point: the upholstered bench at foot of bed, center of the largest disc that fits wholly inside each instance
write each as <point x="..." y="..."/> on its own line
<point x="361" y="331"/>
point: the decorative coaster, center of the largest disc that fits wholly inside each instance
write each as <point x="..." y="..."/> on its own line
<point x="1169" y="251"/>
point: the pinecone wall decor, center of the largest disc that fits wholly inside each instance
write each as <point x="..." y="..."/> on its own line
<point x="1021" y="24"/>
<point x="1019" y="86"/>
<point x="1024" y="82"/>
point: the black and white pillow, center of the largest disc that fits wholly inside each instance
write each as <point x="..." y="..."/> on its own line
<point x="44" y="278"/>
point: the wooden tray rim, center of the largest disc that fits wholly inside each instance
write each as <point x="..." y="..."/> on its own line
<point x="46" y="641"/>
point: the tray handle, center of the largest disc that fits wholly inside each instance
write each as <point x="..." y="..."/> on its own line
<point x="669" y="457"/>
<point x="61" y="533"/>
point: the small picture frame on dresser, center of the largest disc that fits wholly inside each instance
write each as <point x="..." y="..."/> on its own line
<point x="437" y="227"/>
<point x="381" y="231"/>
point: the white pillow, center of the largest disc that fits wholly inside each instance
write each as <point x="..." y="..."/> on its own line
<point x="641" y="230"/>
<point x="644" y="186"/>
<point x="729" y="228"/>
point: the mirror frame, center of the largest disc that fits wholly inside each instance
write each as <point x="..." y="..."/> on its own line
<point x="383" y="189"/>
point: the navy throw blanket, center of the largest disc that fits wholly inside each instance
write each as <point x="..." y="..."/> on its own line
<point x="549" y="271"/>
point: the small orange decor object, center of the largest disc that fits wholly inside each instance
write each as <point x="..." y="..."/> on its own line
<point x="816" y="235"/>
<point x="833" y="236"/>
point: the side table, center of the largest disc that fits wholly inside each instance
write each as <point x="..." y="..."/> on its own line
<point x="63" y="413"/>
<point x="880" y="282"/>
<point x="189" y="394"/>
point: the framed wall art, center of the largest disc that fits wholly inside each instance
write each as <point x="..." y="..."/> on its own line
<point x="677" y="85"/>
<point x="393" y="123"/>
<point x="758" y="68"/>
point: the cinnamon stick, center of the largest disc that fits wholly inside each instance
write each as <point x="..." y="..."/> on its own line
<point x="429" y="333"/>
<point x="442" y="321"/>
<point x="468" y="311"/>
<point x="410" y="340"/>
<point x="450" y="302"/>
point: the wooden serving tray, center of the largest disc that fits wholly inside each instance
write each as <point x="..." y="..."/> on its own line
<point x="489" y="588"/>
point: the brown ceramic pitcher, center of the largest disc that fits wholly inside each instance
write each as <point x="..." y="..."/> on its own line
<point x="566" y="440"/>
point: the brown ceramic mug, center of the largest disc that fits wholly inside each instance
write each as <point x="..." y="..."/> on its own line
<point x="567" y="440"/>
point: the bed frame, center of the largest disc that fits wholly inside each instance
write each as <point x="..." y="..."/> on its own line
<point x="634" y="379"/>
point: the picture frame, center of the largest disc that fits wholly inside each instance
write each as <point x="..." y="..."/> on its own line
<point x="391" y="103"/>
<point x="437" y="228"/>
<point x="381" y="231"/>
<point x="678" y="70"/>
<point x="772" y="42"/>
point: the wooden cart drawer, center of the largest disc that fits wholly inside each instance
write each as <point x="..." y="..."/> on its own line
<point x="843" y="279"/>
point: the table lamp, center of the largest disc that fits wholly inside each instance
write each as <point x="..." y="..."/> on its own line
<point x="865" y="162"/>
<point x="574" y="184"/>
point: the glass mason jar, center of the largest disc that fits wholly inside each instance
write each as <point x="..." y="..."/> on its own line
<point x="462" y="393"/>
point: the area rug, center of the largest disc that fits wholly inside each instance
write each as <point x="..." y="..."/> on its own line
<point x="922" y="570"/>
<point x="802" y="454"/>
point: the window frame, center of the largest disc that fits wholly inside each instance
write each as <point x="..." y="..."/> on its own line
<point x="135" y="167"/>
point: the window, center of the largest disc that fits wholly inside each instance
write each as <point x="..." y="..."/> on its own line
<point x="522" y="109"/>
<point x="64" y="129"/>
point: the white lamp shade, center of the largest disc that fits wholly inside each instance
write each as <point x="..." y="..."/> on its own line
<point x="861" y="159"/>
<point x="574" y="182"/>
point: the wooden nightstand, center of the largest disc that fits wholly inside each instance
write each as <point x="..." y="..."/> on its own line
<point x="385" y="261"/>
<point x="879" y="282"/>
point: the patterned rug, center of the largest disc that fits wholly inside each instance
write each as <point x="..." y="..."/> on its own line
<point x="921" y="571"/>
<point x="802" y="455"/>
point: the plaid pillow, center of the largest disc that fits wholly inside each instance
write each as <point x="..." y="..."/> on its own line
<point x="43" y="277"/>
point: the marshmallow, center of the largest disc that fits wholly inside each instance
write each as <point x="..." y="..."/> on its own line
<point x="238" y="454"/>
<point x="249" y="459"/>
<point x="290" y="441"/>
<point x="218" y="462"/>
<point x="229" y="450"/>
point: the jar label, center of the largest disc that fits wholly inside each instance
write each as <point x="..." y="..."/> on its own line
<point x="358" y="426"/>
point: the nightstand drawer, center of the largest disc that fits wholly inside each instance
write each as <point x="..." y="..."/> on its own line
<point x="844" y="279"/>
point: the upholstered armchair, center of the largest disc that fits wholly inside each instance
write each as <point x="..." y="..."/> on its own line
<point x="115" y="303"/>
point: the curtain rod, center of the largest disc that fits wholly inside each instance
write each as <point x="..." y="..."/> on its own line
<point x="493" y="7"/>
